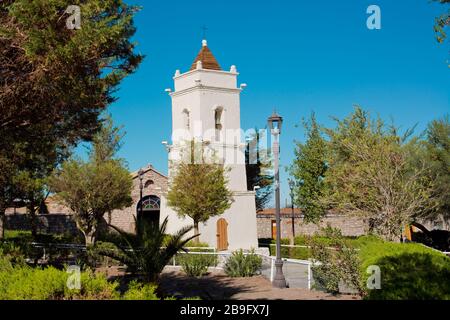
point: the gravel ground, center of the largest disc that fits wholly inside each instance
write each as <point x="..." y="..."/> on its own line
<point x="217" y="286"/>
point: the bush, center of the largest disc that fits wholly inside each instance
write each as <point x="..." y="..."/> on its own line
<point x="408" y="271"/>
<point x="243" y="265"/>
<point x="340" y="266"/>
<point x="26" y="236"/>
<point x="193" y="244"/>
<point x="26" y="283"/>
<point x="138" y="291"/>
<point x="11" y="255"/>
<point x="196" y="265"/>
<point x="292" y="253"/>
<point x="5" y="264"/>
<point x="326" y="272"/>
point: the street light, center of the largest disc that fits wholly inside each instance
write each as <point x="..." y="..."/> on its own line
<point x="275" y="121"/>
<point x="291" y="193"/>
<point x="141" y="186"/>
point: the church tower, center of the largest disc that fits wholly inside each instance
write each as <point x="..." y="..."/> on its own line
<point x="206" y="108"/>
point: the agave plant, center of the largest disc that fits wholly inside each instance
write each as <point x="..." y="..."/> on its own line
<point x="149" y="249"/>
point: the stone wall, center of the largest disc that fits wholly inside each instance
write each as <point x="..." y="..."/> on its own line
<point x="350" y="226"/>
<point x="47" y="223"/>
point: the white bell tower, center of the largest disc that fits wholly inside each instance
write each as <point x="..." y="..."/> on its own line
<point x="206" y="108"/>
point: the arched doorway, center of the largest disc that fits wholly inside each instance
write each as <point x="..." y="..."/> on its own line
<point x="222" y="234"/>
<point x="150" y="209"/>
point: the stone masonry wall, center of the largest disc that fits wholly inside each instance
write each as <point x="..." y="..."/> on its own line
<point x="47" y="223"/>
<point x="350" y="226"/>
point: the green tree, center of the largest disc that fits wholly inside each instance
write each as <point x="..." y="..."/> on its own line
<point x="198" y="190"/>
<point x="441" y="23"/>
<point x="33" y="191"/>
<point x="438" y="157"/>
<point x="92" y="189"/>
<point x="55" y="82"/>
<point x="371" y="174"/>
<point x="257" y="167"/>
<point x="308" y="169"/>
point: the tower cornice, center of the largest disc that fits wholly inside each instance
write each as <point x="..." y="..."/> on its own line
<point x="188" y="73"/>
<point x="204" y="88"/>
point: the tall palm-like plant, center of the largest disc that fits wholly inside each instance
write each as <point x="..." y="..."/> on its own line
<point x="149" y="249"/>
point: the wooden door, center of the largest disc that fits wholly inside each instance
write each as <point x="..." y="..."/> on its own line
<point x="222" y="234"/>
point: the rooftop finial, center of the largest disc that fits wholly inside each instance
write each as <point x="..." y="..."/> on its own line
<point x="204" y="43"/>
<point x="204" y="29"/>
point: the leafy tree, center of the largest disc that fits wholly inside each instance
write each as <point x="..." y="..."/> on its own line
<point x="257" y="166"/>
<point x="92" y="189"/>
<point x="438" y="157"/>
<point x="308" y="170"/>
<point x="148" y="250"/>
<point x="371" y="175"/>
<point x="199" y="190"/>
<point x="442" y="23"/>
<point x="33" y="191"/>
<point x="54" y="82"/>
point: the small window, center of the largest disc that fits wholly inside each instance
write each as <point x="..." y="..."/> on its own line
<point x="218" y="115"/>
<point x="186" y="120"/>
<point x="148" y="183"/>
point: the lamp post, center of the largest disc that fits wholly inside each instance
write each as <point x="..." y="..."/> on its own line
<point x="141" y="187"/>
<point x="275" y="121"/>
<point x="291" y="193"/>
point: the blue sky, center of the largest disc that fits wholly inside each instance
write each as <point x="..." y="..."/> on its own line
<point x="297" y="56"/>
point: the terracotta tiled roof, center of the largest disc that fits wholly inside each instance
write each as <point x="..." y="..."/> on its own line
<point x="207" y="58"/>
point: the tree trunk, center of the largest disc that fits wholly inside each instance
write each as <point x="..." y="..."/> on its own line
<point x="33" y="218"/>
<point x="444" y="223"/>
<point x="89" y="237"/>
<point x="196" y="232"/>
<point x="2" y="224"/>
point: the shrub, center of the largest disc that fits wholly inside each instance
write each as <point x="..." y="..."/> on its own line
<point x="26" y="283"/>
<point x="11" y="254"/>
<point x="292" y="253"/>
<point x="243" y="265"/>
<point x="196" y="265"/>
<point x="338" y="266"/>
<point x="5" y="264"/>
<point x="94" y="286"/>
<point x="325" y="270"/>
<point x="408" y="271"/>
<point x="193" y="244"/>
<point x="137" y="291"/>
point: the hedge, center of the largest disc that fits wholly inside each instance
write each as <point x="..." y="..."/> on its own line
<point x="408" y="271"/>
